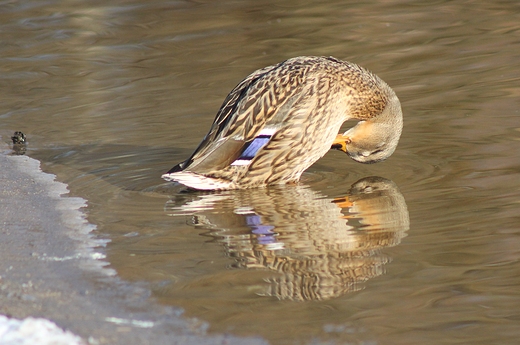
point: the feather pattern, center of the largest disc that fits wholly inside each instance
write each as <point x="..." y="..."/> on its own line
<point x="281" y="119"/>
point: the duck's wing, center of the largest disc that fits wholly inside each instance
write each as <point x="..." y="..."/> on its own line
<point x="249" y="116"/>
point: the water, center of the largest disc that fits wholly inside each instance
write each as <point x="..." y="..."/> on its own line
<point x="111" y="96"/>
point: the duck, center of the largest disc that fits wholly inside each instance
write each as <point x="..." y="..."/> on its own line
<point x="281" y="119"/>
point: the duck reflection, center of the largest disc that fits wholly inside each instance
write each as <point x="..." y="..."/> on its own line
<point x="320" y="247"/>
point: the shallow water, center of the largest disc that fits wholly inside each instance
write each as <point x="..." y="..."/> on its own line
<point x="422" y="248"/>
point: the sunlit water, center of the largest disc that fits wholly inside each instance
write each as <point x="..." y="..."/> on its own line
<point x="422" y="248"/>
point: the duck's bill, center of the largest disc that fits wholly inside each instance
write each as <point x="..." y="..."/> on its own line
<point x="340" y="143"/>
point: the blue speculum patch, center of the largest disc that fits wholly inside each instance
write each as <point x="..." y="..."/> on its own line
<point x="254" y="146"/>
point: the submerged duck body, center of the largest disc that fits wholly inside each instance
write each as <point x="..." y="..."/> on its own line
<point x="281" y="119"/>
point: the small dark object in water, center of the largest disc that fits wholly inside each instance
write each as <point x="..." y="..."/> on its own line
<point x="19" y="143"/>
<point x="18" y="138"/>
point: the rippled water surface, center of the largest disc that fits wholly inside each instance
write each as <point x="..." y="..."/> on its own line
<point x="422" y="248"/>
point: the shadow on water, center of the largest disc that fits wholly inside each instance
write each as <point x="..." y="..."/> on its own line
<point x="320" y="247"/>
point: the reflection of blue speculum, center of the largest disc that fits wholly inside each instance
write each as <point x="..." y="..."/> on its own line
<point x="320" y="247"/>
<point x="265" y="233"/>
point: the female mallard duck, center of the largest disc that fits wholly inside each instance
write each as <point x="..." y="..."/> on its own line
<point x="281" y="119"/>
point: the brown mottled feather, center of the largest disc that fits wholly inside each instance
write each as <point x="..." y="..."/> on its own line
<point x="305" y="100"/>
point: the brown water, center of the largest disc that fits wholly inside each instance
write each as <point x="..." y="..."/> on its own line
<point x="422" y="248"/>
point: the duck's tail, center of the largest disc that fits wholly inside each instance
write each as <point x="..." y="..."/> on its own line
<point x="197" y="181"/>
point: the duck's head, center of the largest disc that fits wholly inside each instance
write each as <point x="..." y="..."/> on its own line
<point x="375" y="139"/>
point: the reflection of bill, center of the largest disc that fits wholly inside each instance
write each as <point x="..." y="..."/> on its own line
<point x="320" y="248"/>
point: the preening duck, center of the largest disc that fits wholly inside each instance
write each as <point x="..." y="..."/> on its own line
<point x="281" y="119"/>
